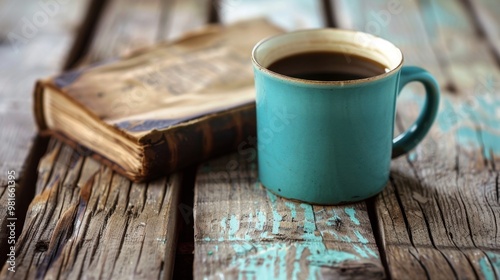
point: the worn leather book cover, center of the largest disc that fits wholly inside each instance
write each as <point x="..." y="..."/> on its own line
<point x="161" y="108"/>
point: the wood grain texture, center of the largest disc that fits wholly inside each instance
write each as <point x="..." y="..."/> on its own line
<point x="87" y="221"/>
<point x="439" y="214"/>
<point x="33" y="42"/>
<point x="244" y="231"/>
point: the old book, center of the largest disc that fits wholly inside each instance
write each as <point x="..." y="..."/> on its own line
<point x="161" y="108"/>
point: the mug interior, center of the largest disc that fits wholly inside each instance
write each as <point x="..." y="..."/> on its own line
<point x="328" y="39"/>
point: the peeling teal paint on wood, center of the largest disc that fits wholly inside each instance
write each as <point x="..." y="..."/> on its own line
<point x="412" y="156"/>
<point x="360" y="251"/>
<point x="326" y="257"/>
<point x="309" y="223"/>
<point x="346" y="239"/>
<point x="370" y="251"/>
<point x="352" y="215"/>
<point x="485" y="113"/>
<point x="257" y="258"/>
<point x="277" y="218"/>
<point x="272" y="197"/>
<point x="360" y="237"/>
<point x="261" y="220"/>
<point x="486" y="269"/>
<point x="234" y="226"/>
<point x="223" y="227"/>
<point x="257" y="255"/>
<point x="446" y="118"/>
<point x="250" y="220"/>
<point x="293" y="212"/>
<point x="494" y="260"/>
<point x="269" y="260"/>
<point x="223" y="224"/>
<point x="491" y="144"/>
<point x="242" y="248"/>
<point x="334" y="220"/>
<point x="469" y="137"/>
<point x="475" y="122"/>
<point x="276" y="222"/>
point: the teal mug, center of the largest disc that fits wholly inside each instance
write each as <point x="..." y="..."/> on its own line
<point x="331" y="142"/>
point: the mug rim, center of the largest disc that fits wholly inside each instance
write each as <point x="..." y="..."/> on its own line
<point x="319" y="82"/>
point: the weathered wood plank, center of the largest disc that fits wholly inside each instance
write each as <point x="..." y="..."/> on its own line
<point x="243" y="230"/>
<point x="289" y="15"/>
<point x="439" y="213"/>
<point x="125" y="26"/>
<point x="485" y="13"/>
<point x="33" y="43"/>
<point x="87" y="221"/>
<point x="189" y="15"/>
<point x="35" y="39"/>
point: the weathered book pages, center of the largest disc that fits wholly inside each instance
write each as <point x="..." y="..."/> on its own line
<point x="161" y="108"/>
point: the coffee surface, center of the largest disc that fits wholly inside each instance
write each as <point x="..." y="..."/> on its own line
<point x="327" y="66"/>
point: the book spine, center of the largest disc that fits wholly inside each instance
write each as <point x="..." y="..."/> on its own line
<point x="38" y="95"/>
<point x="182" y="146"/>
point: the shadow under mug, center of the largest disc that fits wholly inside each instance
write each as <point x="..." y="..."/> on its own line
<point x="331" y="142"/>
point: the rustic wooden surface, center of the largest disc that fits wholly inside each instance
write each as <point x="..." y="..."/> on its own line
<point x="241" y="229"/>
<point x="438" y="217"/>
<point x="25" y="55"/>
<point x="439" y="214"/>
<point x="85" y="220"/>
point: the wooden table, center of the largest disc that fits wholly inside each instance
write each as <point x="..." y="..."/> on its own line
<point x="437" y="218"/>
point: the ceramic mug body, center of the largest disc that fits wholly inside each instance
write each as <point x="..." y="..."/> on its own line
<point x="331" y="142"/>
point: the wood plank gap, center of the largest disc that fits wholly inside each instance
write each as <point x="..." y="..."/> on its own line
<point x="84" y="36"/>
<point x="28" y="179"/>
<point x="400" y="204"/>
<point x="475" y="17"/>
<point x="427" y="274"/>
<point x="378" y="234"/>
<point x="214" y="11"/>
<point x="497" y="187"/>
<point x="329" y="16"/>
<point x="166" y="7"/>
<point x="184" y="259"/>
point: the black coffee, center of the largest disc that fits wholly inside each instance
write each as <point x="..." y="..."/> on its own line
<point x="327" y="66"/>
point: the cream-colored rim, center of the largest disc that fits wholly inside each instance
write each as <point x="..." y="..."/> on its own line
<point x="327" y="39"/>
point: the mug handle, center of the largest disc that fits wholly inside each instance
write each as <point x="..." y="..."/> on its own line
<point x="413" y="135"/>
